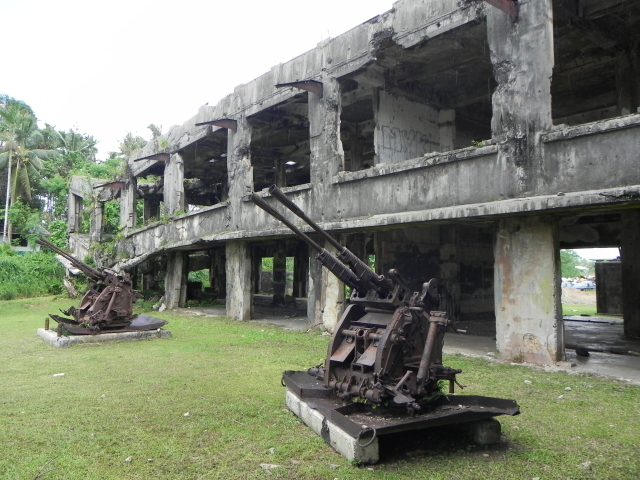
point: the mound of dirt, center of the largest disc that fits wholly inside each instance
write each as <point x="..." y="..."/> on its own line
<point x="574" y="296"/>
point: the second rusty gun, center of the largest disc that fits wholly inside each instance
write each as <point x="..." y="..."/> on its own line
<point x="106" y="306"/>
<point x="387" y="345"/>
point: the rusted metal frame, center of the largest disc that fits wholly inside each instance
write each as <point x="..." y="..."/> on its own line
<point x="312" y="86"/>
<point x="508" y="6"/>
<point x="117" y="184"/>
<point x="159" y="157"/>
<point x="228" y="123"/>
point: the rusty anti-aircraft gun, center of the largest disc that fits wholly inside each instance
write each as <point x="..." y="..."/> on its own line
<point x="388" y="343"/>
<point x="383" y="369"/>
<point x="106" y="307"/>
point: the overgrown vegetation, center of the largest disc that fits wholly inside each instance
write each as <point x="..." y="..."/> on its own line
<point x="29" y="274"/>
<point x="573" y="265"/>
<point x="208" y="404"/>
<point x="36" y="164"/>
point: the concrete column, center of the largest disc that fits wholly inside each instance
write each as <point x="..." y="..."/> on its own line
<point x="240" y="172"/>
<point x="279" y="273"/>
<point x="256" y="258"/>
<point x="97" y="220"/>
<point x="238" y="268"/>
<point x="332" y="297"/>
<point x="357" y="152"/>
<point x="327" y="156"/>
<point x="314" y="291"/>
<point x="281" y="172"/>
<point x="174" y="197"/>
<point x="625" y="84"/>
<point x="74" y="216"/>
<point x="149" y="275"/>
<point x="175" y="280"/>
<point x="528" y="305"/>
<point x="522" y="58"/>
<point x="447" y="129"/>
<point x="151" y="207"/>
<point x="300" y="271"/>
<point x="217" y="273"/>
<point x="630" y="257"/>
<point x="129" y="195"/>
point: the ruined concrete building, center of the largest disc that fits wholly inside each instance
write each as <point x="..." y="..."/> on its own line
<point x="467" y="140"/>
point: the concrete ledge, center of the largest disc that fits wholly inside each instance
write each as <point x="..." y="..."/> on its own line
<point x="341" y="441"/>
<point x="51" y="337"/>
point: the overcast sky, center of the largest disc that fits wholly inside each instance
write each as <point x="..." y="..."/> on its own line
<point x="112" y="67"/>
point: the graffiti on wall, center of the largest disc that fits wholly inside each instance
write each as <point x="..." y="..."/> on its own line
<point x="399" y="144"/>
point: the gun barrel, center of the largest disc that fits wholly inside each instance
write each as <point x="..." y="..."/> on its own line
<point x="263" y="205"/>
<point x="324" y="257"/>
<point x="362" y="270"/>
<point x="86" y="269"/>
<point x="276" y="192"/>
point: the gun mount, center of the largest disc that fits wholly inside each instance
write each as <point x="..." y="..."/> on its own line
<point x="106" y="307"/>
<point x="388" y="343"/>
<point x="385" y="353"/>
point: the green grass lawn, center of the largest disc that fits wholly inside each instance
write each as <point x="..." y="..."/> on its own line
<point x="128" y="401"/>
<point x="590" y="310"/>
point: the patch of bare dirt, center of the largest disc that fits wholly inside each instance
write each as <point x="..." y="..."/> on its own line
<point x="578" y="297"/>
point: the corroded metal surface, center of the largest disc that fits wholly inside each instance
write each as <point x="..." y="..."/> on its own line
<point x="387" y="348"/>
<point x="106" y="307"/>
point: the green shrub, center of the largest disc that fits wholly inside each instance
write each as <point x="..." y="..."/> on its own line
<point x="29" y="275"/>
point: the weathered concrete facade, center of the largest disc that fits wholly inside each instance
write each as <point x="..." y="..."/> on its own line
<point x="444" y="137"/>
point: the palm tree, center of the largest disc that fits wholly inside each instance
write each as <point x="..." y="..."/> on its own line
<point x="21" y="154"/>
<point x="130" y="144"/>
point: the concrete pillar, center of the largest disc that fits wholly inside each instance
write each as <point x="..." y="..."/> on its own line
<point x="281" y="172"/>
<point x="129" y="195"/>
<point x="332" y="296"/>
<point x="97" y="221"/>
<point x="447" y="129"/>
<point x="151" y="207"/>
<point x="239" y="170"/>
<point x="217" y="272"/>
<point x="239" y="292"/>
<point x="630" y="258"/>
<point x="175" y="280"/>
<point x="625" y="85"/>
<point x="314" y="291"/>
<point x="327" y="156"/>
<point x="528" y="305"/>
<point x="279" y="273"/>
<point x="174" y="197"/>
<point x="256" y="257"/>
<point x="74" y="216"/>
<point x="300" y="271"/>
<point x="149" y="275"/>
<point x="522" y="58"/>
<point x="357" y="152"/>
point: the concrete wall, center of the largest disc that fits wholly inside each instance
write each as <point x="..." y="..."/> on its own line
<point x="609" y="287"/>
<point x="524" y="178"/>
<point x="404" y="129"/>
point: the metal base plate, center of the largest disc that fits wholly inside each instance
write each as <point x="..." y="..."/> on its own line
<point x="354" y="418"/>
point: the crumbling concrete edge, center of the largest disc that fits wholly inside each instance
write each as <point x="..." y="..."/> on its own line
<point x="341" y="441"/>
<point x="505" y="207"/>
<point x="51" y="337"/>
